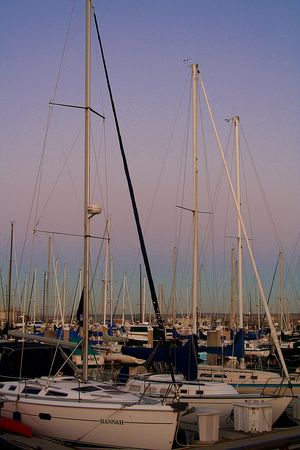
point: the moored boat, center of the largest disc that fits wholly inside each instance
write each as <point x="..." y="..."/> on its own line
<point x="201" y="394"/>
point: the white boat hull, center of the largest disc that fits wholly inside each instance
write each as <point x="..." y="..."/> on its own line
<point x="92" y="414"/>
<point x="219" y="396"/>
<point x="247" y="381"/>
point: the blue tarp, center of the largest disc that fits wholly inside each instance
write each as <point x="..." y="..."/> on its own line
<point x="183" y="357"/>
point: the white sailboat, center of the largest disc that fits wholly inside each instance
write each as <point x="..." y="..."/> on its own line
<point x="198" y="393"/>
<point x="86" y="412"/>
<point x="243" y="379"/>
<point x="203" y="394"/>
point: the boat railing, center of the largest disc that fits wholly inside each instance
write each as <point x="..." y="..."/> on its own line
<point x="171" y="391"/>
<point x="280" y="387"/>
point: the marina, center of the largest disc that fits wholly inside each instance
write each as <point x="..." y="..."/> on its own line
<point x="197" y="351"/>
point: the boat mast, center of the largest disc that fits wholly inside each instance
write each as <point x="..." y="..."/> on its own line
<point x="239" y="230"/>
<point x="174" y="286"/>
<point x="47" y="286"/>
<point x="280" y="293"/>
<point x="10" y="274"/>
<point x="258" y="280"/>
<point x="105" y="284"/>
<point x="236" y="120"/>
<point x="86" y="226"/>
<point x="232" y="298"/>
<point x="195" y="209"/>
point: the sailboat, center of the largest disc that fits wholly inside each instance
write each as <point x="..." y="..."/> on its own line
<point x="82" y="411"/>
<point x="194" y="390"/>
<point x="243" y="379"/>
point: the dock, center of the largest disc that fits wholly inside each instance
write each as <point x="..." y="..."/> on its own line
<point x="282" y="439"/>
<point x="285" y="435"/>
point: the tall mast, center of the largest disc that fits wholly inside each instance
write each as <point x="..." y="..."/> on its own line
<point x="232" y="298"/>
<point x="141" y="295"/>
<point x="195" y="209"/>
<point x="239" y="229"/>
<point x="111" y="291"/>
<point x="47" y="286"/>
<point x="174" y="286"/>
<point x="10" y="273"/>
<point x="105" y="284"/>
<point x="258" y="280"/>
<point x="236" y="120"/>
<point x="86" y="231"/>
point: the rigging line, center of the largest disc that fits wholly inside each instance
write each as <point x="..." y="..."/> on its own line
<point x="97" y="263"/>
<point x="97" y="178"/>
<point x="246" y="194"/>
<point x="247" y="202"/>
<point x="221" y="173"/>
<point x="266" y="204"/>
<point x="64" y="50"/>
<point x="130" y="187"/>
<point x="262" y="190"/>
<point x="2" y="291"/>
<point x="54" y="94"/>
<point x="183" y="175"/>
<point x="159" y="181"/>
<point x="290" y="265"/>
<point x="272" y="283"/>
<point x="118" y="298"/>
<point x="171" y="138"/>
<point x="227" y="207"/>
<point x="39" y="172"/>
<point x="215" y="196"/>
<point x="73" y="184"/>
<point x="74" y="299"/>
<point x="184" y="169"/>
<point x="288" y="274"/>
<point x="211" y="221"/>
<point x="57" y="179"/>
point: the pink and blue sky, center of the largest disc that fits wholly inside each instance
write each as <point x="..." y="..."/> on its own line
<point x="248" y="54"/>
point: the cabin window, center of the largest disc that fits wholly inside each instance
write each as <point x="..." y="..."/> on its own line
<point x="86" y="389"/>
<point x="113" y="392"/>
<point x="45" y="416"/>
<point x="13" y="387"/>
<point x="138" y="330"/>
<point x="242" y="377"/>
<point x="57" y="393"/>
<point x="253" y="377"/>
<point x="199" y="392"/>
<point x="183" y="391"/>
<point x="107" y="388"/>
<point x="219" y="375"/>
<point x="164" y="391"/>
<point x="31" y="390"/>
<point x="207" y="375"/>
<point x="16" y="415"/>
<point x="134" y="389"/>
<point x="1" y="385"/>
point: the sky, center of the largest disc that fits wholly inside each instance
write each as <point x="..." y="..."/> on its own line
<point x="248" y="57"/>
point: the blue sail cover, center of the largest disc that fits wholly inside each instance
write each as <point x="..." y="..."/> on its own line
<point x="235" y="349"/>
<point x="184" y="358"/>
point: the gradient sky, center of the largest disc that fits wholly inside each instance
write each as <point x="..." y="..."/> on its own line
<point x="248" y="54"/>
